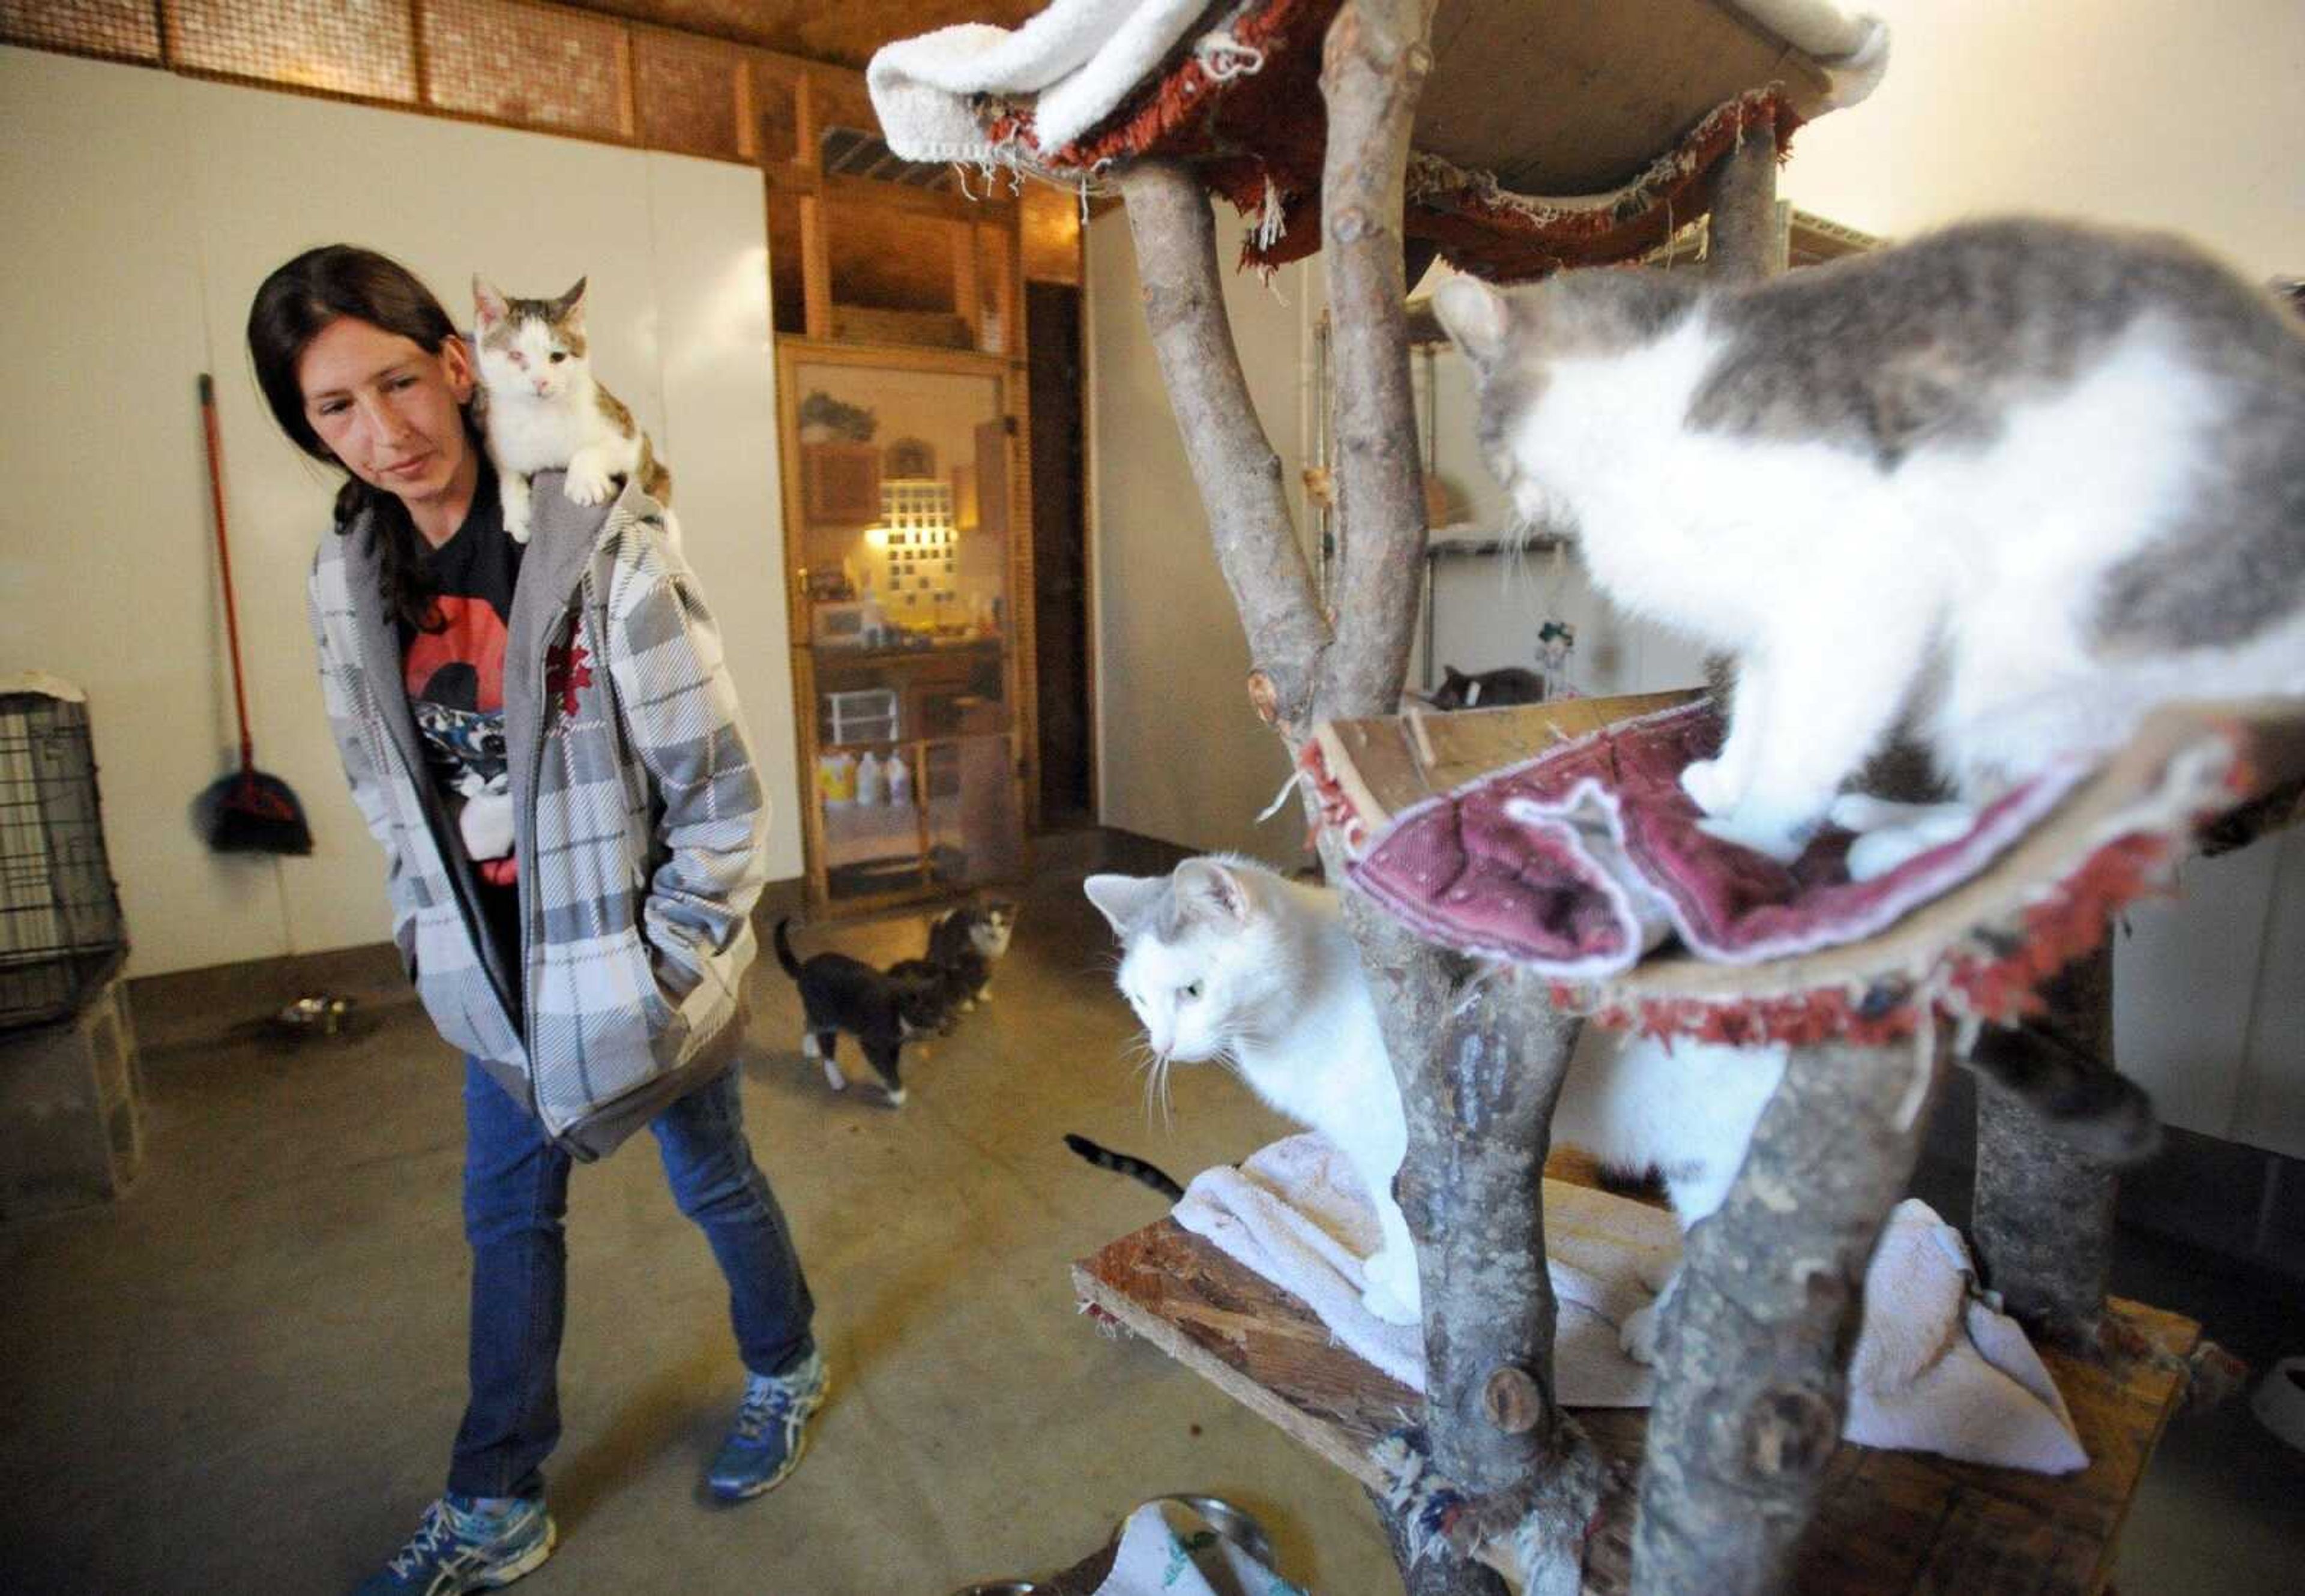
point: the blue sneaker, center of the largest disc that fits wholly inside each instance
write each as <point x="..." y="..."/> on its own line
<point x="770" y="1433"/>
<point x="467" y="1543"/>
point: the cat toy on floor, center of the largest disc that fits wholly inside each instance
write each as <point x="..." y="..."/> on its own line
<point x="248" y="811"/>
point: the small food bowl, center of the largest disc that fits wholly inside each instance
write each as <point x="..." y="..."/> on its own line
<point x="322" y="1013"/>
<point x="1236" y="1524"/>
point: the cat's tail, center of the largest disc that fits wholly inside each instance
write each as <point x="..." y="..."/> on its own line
<point x="2083" y="1100"/>
<point x="1120" y="1163"/>
<point x="784" y="950"/>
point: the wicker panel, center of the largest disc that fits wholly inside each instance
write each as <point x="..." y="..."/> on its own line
<point x="1051" y="229"/>
<point x="536" y="66"/>
<point x="776" y="109"/>
<point x="846" y="31"/>
<point x="362" y="48"/>
<point x="686" y="92"/>
<point x="117" y="29"/>
<point x="887" y="259"/>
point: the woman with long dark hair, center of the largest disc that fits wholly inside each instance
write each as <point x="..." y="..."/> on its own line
<point x="544" y="741"/>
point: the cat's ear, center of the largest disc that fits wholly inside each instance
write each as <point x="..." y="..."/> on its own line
<point x="1450" y="677"/>
<point x="568" y="310"/>
<point x="1208" y="887"/>
<point x="1123" y="899"/>
<point x="1476" y="316"/>
<point x="488" y="306"/>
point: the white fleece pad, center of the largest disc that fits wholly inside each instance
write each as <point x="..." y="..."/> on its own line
<point x="1937" y="1367"/>
<point x="1296" y="1213"/>
<point x="1080" y="57"/>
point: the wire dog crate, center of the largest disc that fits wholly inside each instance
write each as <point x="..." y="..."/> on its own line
<point x="61" y="935"/>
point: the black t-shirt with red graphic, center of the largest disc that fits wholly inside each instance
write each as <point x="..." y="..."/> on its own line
<point x="455" y="679"/>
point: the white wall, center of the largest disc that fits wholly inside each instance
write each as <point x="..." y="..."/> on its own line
<point x="149" y="208"/>
<point x="1181" y="756"/>
<point x="2134" y="111"/>
<point x="1487" y="611"/>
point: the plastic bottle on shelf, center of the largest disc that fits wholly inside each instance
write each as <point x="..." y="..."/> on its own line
<point x="836" y="776"/>
<point x="900" y="772"/>
<point x="871" y="785"/>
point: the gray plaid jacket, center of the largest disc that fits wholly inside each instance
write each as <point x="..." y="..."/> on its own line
<point x="639" y="821"/>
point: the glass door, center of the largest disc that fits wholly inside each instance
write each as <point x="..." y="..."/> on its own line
<point x="899" y="530"/>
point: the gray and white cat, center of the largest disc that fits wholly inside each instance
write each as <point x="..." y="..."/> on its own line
<point x="545" y="411"/>
<point x="2013" y="484"/>
<point x="1223" y="958"/>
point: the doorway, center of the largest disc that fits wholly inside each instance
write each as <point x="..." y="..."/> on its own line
<point x="1068" y="749"/>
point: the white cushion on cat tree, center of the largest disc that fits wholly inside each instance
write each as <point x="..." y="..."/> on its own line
<point x="1081" y="57"/>
<point x="1937" y="1367"/>
<point x="1297" y="1214"/>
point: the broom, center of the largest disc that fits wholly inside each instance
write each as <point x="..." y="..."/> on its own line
<point x="247" y="811"/>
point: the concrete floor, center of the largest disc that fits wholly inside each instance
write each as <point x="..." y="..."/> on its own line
<point x="245" y="1376"/>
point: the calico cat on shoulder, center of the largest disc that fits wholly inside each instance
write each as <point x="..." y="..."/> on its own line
<point x="2013" y="484"/>
<point x="543" y="410"/>
<point x="882" y="1009"/>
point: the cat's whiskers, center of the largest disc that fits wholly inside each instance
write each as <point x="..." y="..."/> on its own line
<point x="1152" y="1067"/>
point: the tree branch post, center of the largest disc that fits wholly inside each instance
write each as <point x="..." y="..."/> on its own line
<point x="1374" y="64"/>
<point x="1753" y="1378"/>
<point x="1480" y="1062"/>
<point x="2044" y="1210"/>
<point x="1232" y="460"/>
<point x="1741" y="244"/>
<point x="1479" y="1058"/>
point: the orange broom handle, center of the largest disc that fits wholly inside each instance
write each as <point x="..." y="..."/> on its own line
<point x="224" y="564"/>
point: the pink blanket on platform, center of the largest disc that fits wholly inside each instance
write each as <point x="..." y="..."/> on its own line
<point x="1577" y="862"/>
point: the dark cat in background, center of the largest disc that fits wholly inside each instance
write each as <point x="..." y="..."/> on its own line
<point x="965" y="946"/>
<point x="1486" y="690"/>
<point x="882" y="1009"/>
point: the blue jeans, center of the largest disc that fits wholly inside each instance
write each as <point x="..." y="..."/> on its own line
<point x="515" y="1199"/>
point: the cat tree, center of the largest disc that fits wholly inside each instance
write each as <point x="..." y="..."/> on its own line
<point x="1743" y="1441"/>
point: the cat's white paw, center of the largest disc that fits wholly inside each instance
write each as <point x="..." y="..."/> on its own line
<point x="515" y="520"/>
<point x="1861" y="812"/>
<point x="1637" y="1336"/>
<point x="832" y="1076"/>
<point x="1707" y="783"/>
<point x="1877" y="852"/>
<point x="588" y="483"/>
<point x="1883" y="849"/>
<point x="1779" y="840"/>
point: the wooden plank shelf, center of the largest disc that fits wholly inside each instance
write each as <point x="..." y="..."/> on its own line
<point x="1888" y="1520"/>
